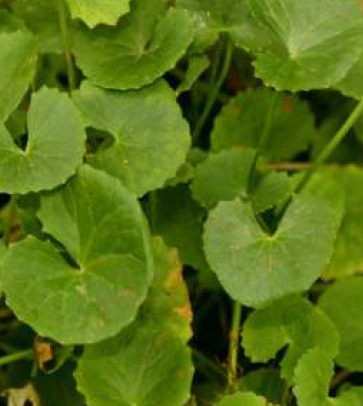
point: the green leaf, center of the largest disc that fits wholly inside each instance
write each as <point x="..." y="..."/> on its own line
<point x="211" y="18"/>
<point x="168" y="299"/>
<point x="291" y="321"/>
<point x="242" y="399"/>
<point x="197" y="64"/>
<point x="151" y="138"/>
<point x="302" y="45"/>
<point x="264" y="382"/>
<point x="55" y="147"/>
<point x="242" y="123"/>
<point x="143" y="47"/>
<point x="342" y="302"/>
<point x="348" y="255"/>
<point x="41" y="18"/>
<point x="17" y="61"/>
<point x="271" y="189"/>
<point x="312" y="378"/>
<point x="255" y="267"/>
<point x="94" y="12"/>
<point x="179" y="220"/>
<point x="98" y="291"/>
<point x="223" y="176"/>
<point x="351" y="85"/>
<point x="9" y="22"/>
<point x="3" y="250"/>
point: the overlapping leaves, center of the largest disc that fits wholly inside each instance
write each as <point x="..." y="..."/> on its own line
<point x="101" y="275"/>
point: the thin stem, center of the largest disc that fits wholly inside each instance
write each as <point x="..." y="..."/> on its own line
<point x="262" y="143"/>
<point x="339" y="378"/>
<point x="234" y="346"/>
<point x="289" y="166"/>
<point x="213" y="94"/>
<point x="66" y="43"/>
<point x="17" y="356"/>
<point x="209" y="364"/>
<point x="330" y="147"/>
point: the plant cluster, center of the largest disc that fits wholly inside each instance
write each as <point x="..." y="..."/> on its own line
<point x="181" y="202"/>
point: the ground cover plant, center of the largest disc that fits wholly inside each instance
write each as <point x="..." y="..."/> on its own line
<point x="181" y="202"/>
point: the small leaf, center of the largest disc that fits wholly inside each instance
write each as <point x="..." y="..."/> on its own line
<point x="242" y="399"/>
<point x="143" y="47"/>
<point x="302" y="45"/>
<point x="291" y="321"/>
<point x="255" y="267"/>
<point x="342" y="302"/>
<point x="264" y="382"/>
<point x="97" y="292"/>
<point x="94" y="12"/>
<point x="197" y="64"/>
<point x="242" y="123"/>
<point x="55" y="147"/>
<point x="223" y="176"/>
<point x="17" y="60"/>
<point x="140" y="122"/>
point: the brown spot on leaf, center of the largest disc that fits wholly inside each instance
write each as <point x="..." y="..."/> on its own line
<point x="185" y="312"/>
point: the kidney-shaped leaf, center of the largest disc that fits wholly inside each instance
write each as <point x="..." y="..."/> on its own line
<point x="255" y="267"/>
<point x="99" y="290"/>
<point x="145" y="44"/>
<point x="17" y="61"/>
<point x="301" y="45"/>
<point x="342" y="302"/>
<point x="94" y="12"/>
<point x="144" y="365"/>
<point x="55" y="147"/>
<point x="151" y="138"/>
<point x="294" y="322"/>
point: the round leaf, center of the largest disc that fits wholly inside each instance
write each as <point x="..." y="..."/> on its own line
<point x="99" y="291"/>
<point x="291" y="321"/>
<point x="55" y="147"/>
<point x="94" y="12"/>
<point x="151" y="138"/>
<point x="144" y="365"/>
<point x="143" y="47"/>
<point x="302" y="45"/>
<point x="342" y="302"/>
<point x="255" y="267"/>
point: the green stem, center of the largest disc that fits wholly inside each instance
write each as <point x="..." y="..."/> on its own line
<point x="234" y="346"/>
<point x="262" y="142"/>
<point x="66" y="43"/>
<point x="17" y="356"/>
<point x="335" y="141"/>
<point x="208" y="364"/>
<point x="213" y="94"/>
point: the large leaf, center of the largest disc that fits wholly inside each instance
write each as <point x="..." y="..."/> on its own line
<point x="17" y="61"/>
<point x="151" y="138"/>
<point x="312" y="380"/>
<point x="145" y="44"/>
<point x="41" y="18"/>
<point x="342" y="302"/>
<point x="99" y="290"/>
<point x="348" y="255"/>
<point x="55" y="147"/>
<point x="302" y="45"/>
<point x="149" y="362"/>
<point x="242" y="122"/>
<point x="294" y="322"/>
<point x="94" y="12"/>
<point x="255" y="267"/>
<point x="223" y="176"/>
<point x="242" y="399"/>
